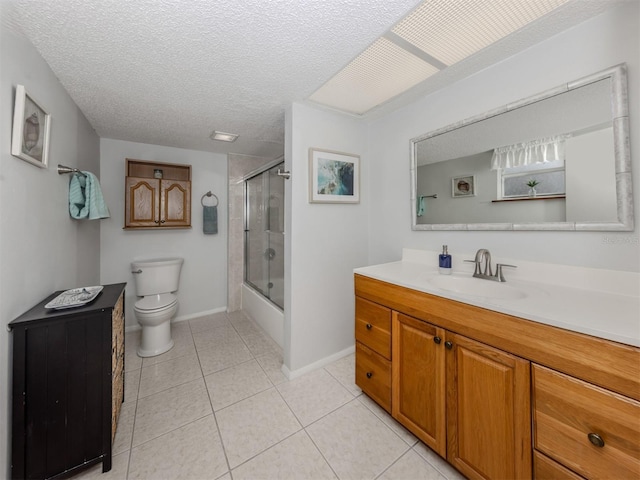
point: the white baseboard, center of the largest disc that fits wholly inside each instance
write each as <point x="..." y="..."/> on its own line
<point x="291" y="374"/>
<point x="181" y="318"/>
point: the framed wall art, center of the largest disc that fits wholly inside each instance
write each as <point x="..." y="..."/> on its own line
<point x="31" y="127"/>
<point x="334" y="177"/>
<point x="463" y="186"/>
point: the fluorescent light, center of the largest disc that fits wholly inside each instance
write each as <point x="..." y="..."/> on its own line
<point x="436" y="35"/>
<point x="223" y="137"/>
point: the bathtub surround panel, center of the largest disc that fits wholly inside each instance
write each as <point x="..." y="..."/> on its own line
<point x="203" y="280"/>
<point x="41" y="248"/>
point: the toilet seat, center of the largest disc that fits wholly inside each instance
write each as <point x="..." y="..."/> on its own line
<point x="162" y="301"/>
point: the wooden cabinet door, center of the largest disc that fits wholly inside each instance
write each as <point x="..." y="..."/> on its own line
<point x="488" y="411"/>
<point x="142" y="200"/>
<point x="418" y="379"/>
<point x="175" y="203"/>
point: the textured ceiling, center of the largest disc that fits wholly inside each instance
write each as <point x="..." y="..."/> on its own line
<point x="170" y="72"/>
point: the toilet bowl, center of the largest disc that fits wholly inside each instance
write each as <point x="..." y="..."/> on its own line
<point x="156" y="282"/>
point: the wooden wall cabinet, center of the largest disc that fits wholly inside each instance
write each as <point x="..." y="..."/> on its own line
<point x="68" y="386"/>
<point x="503" y="397"/>
<point x="152" y="201"/>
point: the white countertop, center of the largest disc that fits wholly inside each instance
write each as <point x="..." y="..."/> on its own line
<point x="598" y="312"/>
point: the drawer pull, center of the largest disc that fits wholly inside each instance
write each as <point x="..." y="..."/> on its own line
<point x="437" y="340"/>
<point x="449" y="345"/>
<point x="369" y="326"/>
<point x="596" y="440"/>
<point x="369" y="374"/>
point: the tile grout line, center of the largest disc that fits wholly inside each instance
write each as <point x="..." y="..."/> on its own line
<point x="213" y="412"/>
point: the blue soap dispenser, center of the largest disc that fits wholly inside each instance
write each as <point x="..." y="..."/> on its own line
<point x="445" y="261"/>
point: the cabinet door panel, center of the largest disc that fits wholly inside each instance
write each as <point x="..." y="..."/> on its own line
<point x="418" y="380"/>
<point x="489" y="417"/>
<point x="141" y="202"/>
<point x="175" y="204"/>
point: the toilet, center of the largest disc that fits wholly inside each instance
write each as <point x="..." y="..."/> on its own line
<point x="156" y="281"/>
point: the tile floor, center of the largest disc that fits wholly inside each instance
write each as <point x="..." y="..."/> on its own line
<point x="217" y="406"/>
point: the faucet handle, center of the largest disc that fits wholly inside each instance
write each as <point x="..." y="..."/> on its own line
<point x="499" y="274"/>
<point x="477" y="269"/>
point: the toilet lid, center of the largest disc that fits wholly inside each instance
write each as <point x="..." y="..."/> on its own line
<point x="154" y="302"/>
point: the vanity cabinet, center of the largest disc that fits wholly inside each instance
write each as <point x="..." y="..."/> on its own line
<point x="503" y="397"/>
<point x="68" y="386"/>
<point x="467" y="401"/>
<point x="157" y="195"/>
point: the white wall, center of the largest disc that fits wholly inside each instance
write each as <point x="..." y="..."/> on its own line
<point x="323" y="242"/>
<point x="599" y="43"/>
<point x="41" y="248"/>
<point x="203" y="281"/>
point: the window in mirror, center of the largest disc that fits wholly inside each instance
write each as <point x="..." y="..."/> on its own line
<point x="546" y="178"/>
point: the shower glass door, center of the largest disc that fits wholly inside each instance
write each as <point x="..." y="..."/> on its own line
<point x="264" y="234"/>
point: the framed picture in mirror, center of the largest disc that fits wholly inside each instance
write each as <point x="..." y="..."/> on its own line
<point x="31" y="126"/>
<point x="463" y="186"/>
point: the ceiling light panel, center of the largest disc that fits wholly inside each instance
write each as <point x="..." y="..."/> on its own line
<point x="453" y="30"/>
<point x="381" y="72"/>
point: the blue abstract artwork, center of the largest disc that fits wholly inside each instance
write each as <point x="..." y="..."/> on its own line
<point x="335" y="177"/>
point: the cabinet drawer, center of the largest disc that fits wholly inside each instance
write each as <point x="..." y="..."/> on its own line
<point x="373" y="375"/>
<point x="567" y="411"/>
<point x="373" y="326"/>
<point x="546" y="469"/>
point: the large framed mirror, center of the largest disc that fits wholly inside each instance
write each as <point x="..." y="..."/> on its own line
<point x="559" y="160"/>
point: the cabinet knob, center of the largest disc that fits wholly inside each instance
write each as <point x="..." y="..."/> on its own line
<point x="162" y="221"/>
<point x="437" y="340"/>
<point x="156" y="221"/>
<point x="596" y="440"/>
<point x="369" y="374"/>
<point x="449" y="345"/>
<point x="369" y="326"/>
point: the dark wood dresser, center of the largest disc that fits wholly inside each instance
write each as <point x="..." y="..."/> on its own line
<point x="68" y="385"/>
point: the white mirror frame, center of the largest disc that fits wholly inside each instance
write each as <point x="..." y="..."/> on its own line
<point x="622" y="155"/>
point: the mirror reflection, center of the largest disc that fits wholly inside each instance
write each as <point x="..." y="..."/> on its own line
<point x="551" y="162"/>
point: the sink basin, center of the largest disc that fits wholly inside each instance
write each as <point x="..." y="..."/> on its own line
<point x="477" y="287"/>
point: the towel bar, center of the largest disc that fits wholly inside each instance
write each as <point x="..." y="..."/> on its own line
<point x="63" y="169"/>
<point x="209" y="194"/>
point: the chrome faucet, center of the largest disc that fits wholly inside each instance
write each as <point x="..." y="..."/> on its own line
<point x="483" y="266"/>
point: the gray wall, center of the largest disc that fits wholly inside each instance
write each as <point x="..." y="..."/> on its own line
<point x="41" y="248"/>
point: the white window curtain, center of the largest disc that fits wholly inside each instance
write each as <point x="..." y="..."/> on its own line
<point x="537" y="151"/>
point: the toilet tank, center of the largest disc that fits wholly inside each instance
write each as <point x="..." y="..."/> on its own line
<point x="155" y="276"/>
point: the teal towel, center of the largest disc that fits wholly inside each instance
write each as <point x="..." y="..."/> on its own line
<point x="420" y="206"/>
<point x="210" y="220"/>
<point x="85" y="198"/>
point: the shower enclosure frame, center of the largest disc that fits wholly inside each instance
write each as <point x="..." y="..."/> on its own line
<point x="263" y="244"/>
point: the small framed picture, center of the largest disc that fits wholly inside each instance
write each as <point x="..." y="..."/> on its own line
<point x="31" y="126"/>
<point x="463" y="186"/>
<point x="334" y="177"/>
